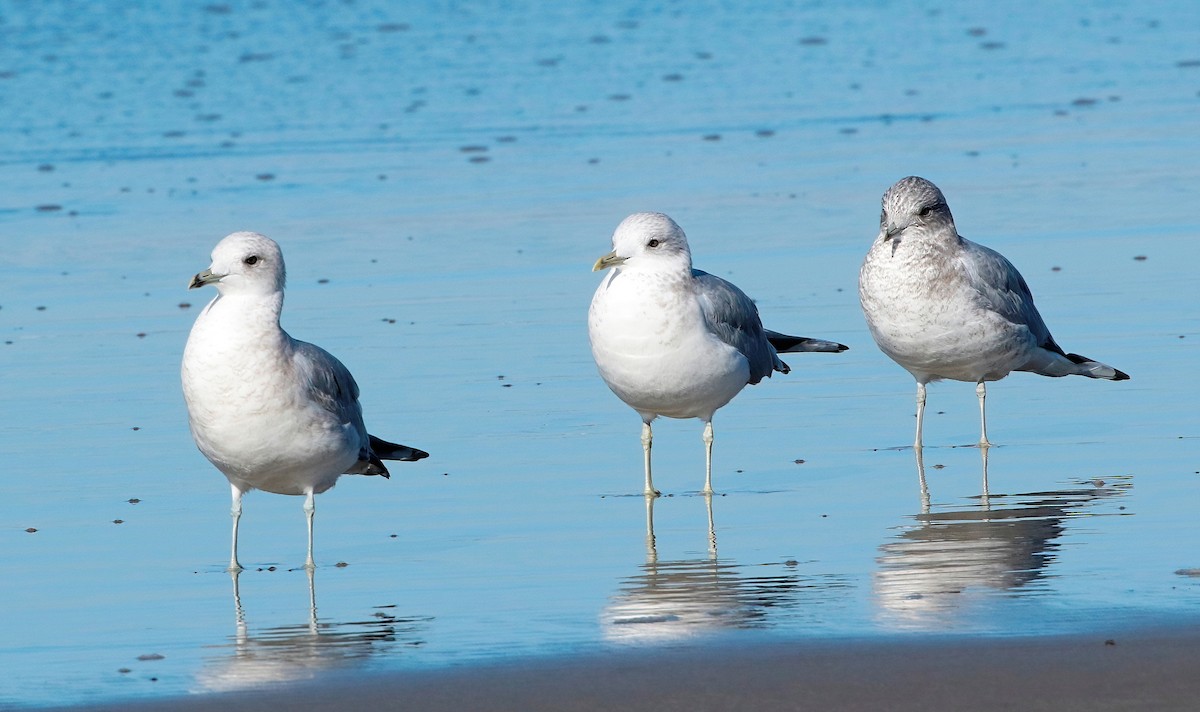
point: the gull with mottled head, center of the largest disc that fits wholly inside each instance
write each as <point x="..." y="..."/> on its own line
<point x="942" y="306"/>
<point x="270" y="412"/>
<point x="673" y="341"/>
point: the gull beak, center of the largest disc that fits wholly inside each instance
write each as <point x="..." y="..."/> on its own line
<point x="203" y="278"/>
<point x="609" y="260"/>
<point x="890" y="230"/>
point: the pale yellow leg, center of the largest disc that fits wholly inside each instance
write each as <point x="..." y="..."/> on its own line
<point x="235" y="511"/>
<point x="647" y="443"/>
<point x="920" y="414"/>
<point x="310" y="508"/>
<point x="981" y="391"/>
<point x="708" y="441"/>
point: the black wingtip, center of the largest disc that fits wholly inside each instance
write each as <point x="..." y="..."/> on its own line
<point x="395" y="451"/>
<point x="403" y="453"/>
<point x="375" y="466"/>
<point x="1118" y="374"/>
<point x="795" y="344"/>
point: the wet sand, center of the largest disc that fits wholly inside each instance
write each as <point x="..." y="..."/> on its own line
<point x="1141" y="671"/>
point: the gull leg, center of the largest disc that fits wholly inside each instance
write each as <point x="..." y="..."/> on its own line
<point x="981" y="391"/>
<point x="708" y="441"/>
<point x="647" y="440"/>
<point x="309" y="508"/>
<point x="920" y="414"/>
<point x="235" y="511"/>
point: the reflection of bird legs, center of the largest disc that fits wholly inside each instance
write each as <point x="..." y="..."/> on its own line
<point x="712" y="531"/>
<point x="312" y="600"/>
<point x="651" y="551"/>
<point x="239" y="612"/>
<point x="921" y="479"/>
<point x="237" y="600"/>
<point x="984" y="499"/>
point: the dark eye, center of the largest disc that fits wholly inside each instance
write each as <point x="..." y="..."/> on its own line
<point x="926" y="211"/>
<point x="652" y="243"/>
<point x="251" y="260"/>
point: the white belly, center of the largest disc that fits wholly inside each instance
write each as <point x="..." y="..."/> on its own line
<point x="656" y="353"/>
<point x="937" y="327"/>
<point x="257" y="428"/>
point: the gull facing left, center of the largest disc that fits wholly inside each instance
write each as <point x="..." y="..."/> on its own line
<point x="270" y="412"/>
<point x="674" y="341"/>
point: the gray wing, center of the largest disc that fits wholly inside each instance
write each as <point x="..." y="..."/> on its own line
<point x="1004" y="290"/>
<point x="331" y="386"/>
<point x="733" y="318"/>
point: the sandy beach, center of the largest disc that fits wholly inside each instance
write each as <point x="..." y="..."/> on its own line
<point x="1128" y="672"/>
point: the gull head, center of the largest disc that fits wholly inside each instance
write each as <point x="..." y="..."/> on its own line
<point x="244" y="262"/>
<point x="648" y="240"/>
<point x="916" y="203"/>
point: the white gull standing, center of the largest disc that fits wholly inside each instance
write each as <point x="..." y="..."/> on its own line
<point x="673" y="341"/>
<point x="942" y="306"/>
<point x="270" y="412"/>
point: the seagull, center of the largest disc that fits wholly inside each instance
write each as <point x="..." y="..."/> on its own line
<point x="942" y="306"/>
<point x="673" y="341"/>
<point x="270" y="412"/>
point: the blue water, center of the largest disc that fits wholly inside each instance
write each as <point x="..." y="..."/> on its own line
<point x="441" y="178"/>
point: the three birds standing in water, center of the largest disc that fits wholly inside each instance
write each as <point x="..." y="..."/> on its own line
<point x="282" y="415"/>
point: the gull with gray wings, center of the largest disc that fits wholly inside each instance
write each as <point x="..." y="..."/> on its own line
<point x="673" y="341"/>
<point x="269" y="411"/>
<point x="942" y="306"/>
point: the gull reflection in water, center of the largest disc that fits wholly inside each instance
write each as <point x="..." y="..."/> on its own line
<point x="683" y="598"/>
<point x="303" y="651"/>
<point x="936" y="570"/>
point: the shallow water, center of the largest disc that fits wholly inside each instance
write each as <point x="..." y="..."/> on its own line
<point x="441" y="180"/>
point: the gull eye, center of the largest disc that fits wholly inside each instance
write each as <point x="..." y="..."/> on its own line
<point x="251" y="260"/>
<point x="652" y="243"/>
<point x="927" y="211"/>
